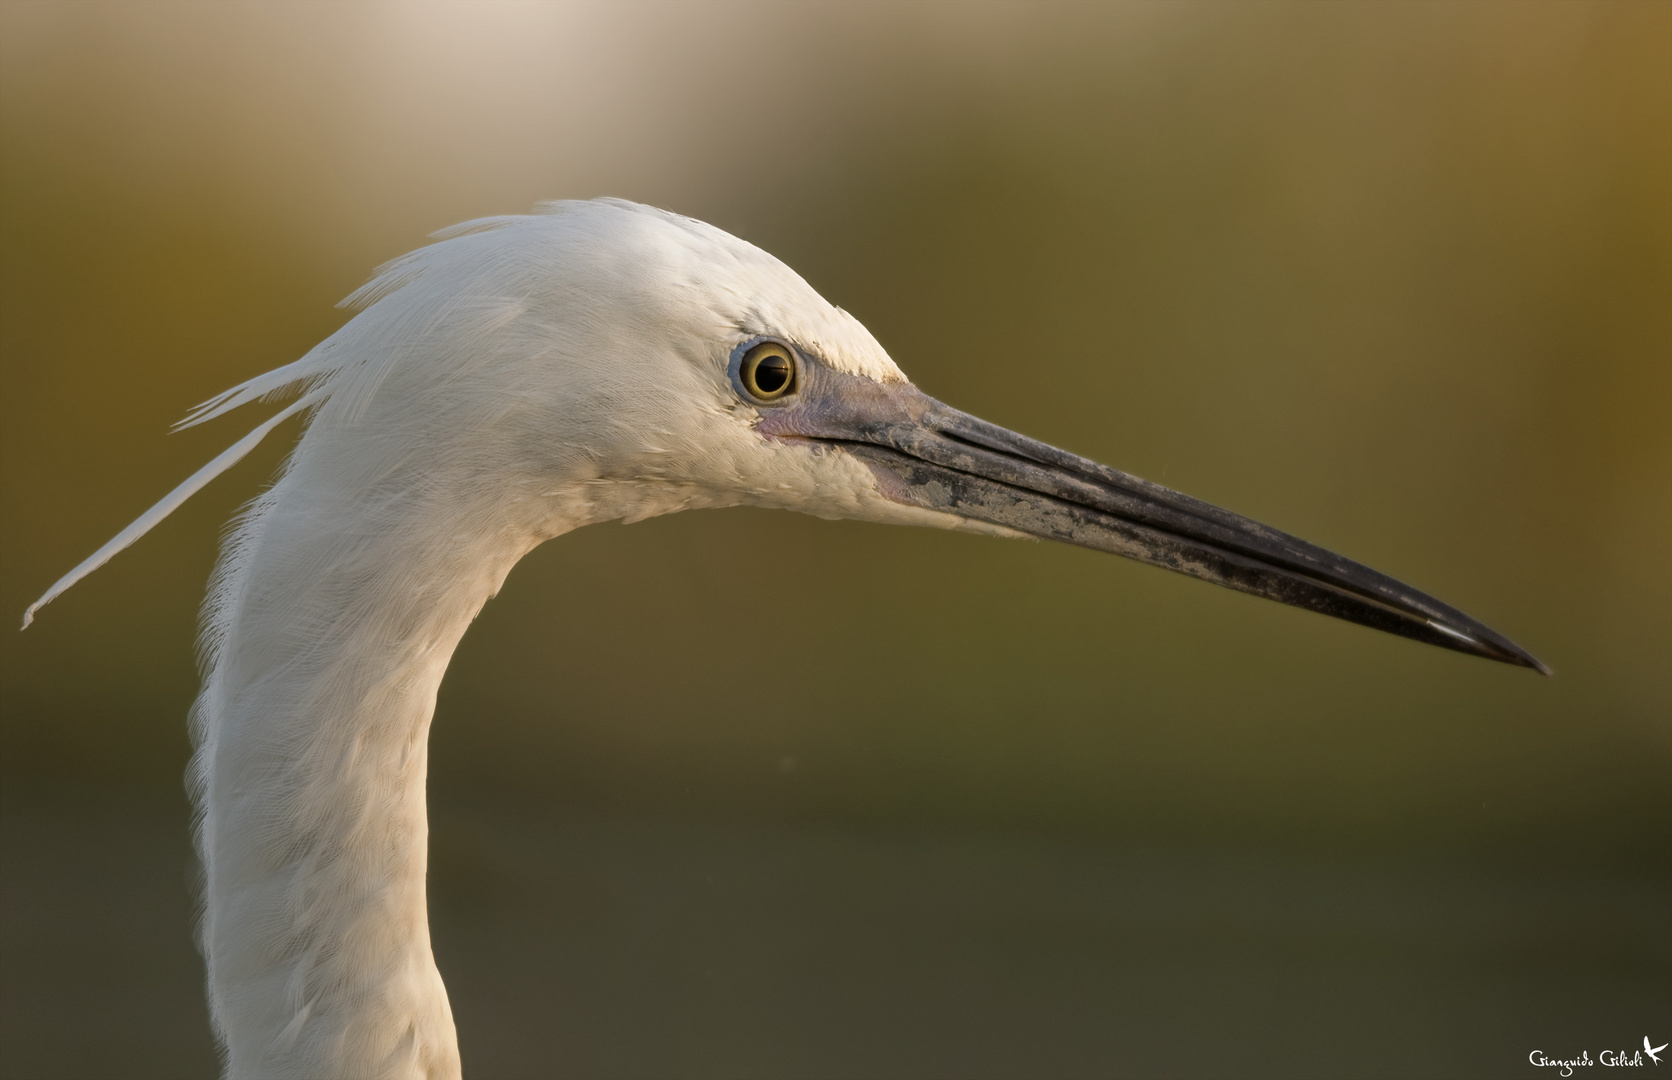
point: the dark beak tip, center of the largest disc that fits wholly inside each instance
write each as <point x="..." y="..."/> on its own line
<point x="1491" y="646"/>
<point x="1515" y="654"/>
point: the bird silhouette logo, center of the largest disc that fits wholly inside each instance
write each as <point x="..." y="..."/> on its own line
<point x="1653" y="1051"/>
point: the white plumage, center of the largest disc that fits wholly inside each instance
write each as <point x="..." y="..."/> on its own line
<point x="520" y="378"/>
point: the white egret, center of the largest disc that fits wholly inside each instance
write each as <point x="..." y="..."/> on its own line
<point x="520" y="378"/>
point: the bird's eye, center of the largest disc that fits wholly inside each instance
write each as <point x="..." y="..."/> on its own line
<point x="767" y="371"/>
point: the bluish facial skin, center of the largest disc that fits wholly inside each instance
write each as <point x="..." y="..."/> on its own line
<point x="928" y="455"/>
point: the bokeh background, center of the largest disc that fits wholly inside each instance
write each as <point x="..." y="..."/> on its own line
<point x="1394" y="277"/>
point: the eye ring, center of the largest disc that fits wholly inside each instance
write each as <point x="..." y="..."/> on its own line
<point x="768" y="371"/>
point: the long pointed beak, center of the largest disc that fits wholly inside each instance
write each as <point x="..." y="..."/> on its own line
<point x="929" y="455"/>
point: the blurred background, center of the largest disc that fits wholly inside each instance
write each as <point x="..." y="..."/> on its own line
<point x="1396" y="278"/>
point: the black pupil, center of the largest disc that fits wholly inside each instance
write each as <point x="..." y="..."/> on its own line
<point x="772" y="374"/>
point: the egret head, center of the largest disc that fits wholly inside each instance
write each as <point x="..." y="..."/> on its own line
<point x="688" y="368"/>
<point x="605" y="360"/>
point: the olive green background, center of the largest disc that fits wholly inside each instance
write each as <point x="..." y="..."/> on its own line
<point x="747" y="794"/>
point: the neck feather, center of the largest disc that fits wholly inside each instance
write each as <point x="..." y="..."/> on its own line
<point x="334" y="613"/>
